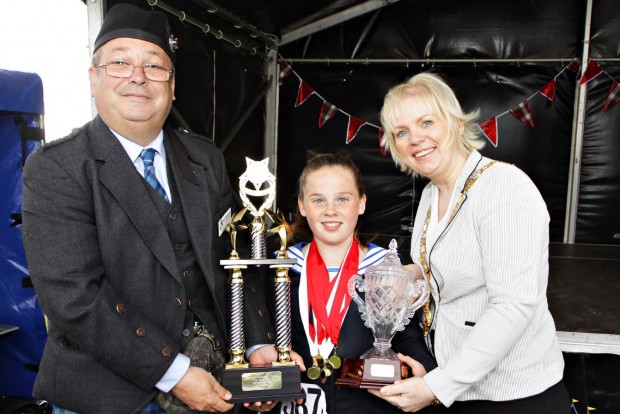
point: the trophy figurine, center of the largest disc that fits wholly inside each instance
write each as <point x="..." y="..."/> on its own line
<point x="392" y="295"/>
<point x="280" y="380"/>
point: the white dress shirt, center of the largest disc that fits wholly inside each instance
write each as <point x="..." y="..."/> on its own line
<point x="134" y="150"/>
<point x="181" y="363"/>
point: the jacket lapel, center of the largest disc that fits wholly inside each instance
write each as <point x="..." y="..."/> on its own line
<point x="119" y="176"/>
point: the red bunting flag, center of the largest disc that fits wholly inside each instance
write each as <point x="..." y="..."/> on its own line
<point x="303" y="93"/>
<point x="592" y="71"/>
<point x="489" y="129"/>
<point x="523" y="113"/>
<point x="354" y="126"/>
<point x="327" y="111"/>
<point x="574" y="66"/>
<point x="381" y="147"/>
<point x="285" y="70"/>
<point x="548" y="91"/>
<point x="613" y="97"/>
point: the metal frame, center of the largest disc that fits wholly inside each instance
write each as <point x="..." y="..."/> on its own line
<point x="579" y="115"/>
<point x="334" y="19"/>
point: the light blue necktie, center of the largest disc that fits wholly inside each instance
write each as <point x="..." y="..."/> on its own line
<point x="148" y="155"/>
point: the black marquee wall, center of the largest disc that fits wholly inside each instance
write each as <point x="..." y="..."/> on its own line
<point x="518" y="32"/>
<point x="529" y="42"/>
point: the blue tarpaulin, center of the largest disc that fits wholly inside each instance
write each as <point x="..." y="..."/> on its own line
<point x="21" y="132"/>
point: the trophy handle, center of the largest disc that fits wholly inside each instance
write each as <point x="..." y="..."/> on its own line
<point x="419" y="287"/>
<point x="357" y="281"/>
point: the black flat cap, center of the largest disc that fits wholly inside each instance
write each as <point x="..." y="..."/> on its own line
<point x="127" y="20"/>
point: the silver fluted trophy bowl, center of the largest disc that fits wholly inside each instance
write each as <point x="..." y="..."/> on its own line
<point x="392" y="295"/>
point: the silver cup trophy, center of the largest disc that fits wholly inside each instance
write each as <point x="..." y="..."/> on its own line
<point x="392" y="295"/>
<point x="282" y="379"/>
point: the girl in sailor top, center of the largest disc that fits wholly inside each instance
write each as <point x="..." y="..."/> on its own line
<point x="326" y="325"/>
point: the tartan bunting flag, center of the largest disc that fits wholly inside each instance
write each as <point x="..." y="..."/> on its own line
<point x="303" y="93"/>
<point x="489" y="129"/>
<point x="327" y="111"/>
<point x="523" y="113"/>
<point x="380" y="133"/>
<point x="548" y="91"/>
<point x="592" y="71"/>
<point x="285" y="70"/>
<point x="354" y="126"/>
<point x="613" y="97"/>
<point x="574" y="66"/>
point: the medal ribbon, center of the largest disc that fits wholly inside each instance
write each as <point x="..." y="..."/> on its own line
<point x="322" y="291"/>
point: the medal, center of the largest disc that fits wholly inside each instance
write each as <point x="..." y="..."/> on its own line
<point x="326" y="372"/>
<point x="314" y="372"/>
<point x="334" y="361"/>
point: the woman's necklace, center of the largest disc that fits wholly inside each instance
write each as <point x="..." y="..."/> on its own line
<point x="423" y="256"/>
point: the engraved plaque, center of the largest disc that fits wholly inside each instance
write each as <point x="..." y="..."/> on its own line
<point x="258" y="381"/>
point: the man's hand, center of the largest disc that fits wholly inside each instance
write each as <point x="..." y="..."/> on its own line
<point x="200" y="391"/>
<point x="266" y="355"/>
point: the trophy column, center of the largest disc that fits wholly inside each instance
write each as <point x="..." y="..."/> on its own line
<point x="236" y="333"/>
<point x="283" y="314"/>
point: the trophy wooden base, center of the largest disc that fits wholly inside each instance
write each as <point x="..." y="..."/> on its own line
<point x="263" y="383"/>
<point x="372" y="373"/>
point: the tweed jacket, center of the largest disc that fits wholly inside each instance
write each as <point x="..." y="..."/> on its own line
<point x="104" y="267"/>
<point x="494" y="338"/>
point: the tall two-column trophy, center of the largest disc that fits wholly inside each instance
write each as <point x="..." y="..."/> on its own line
<point x="393" y="294"/>
<point x="282" y="379"/>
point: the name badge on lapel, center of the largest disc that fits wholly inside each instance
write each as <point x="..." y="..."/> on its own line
<point x="223" y="222"/>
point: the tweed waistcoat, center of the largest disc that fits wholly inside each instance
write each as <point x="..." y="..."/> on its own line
<point x="199" y="307"/>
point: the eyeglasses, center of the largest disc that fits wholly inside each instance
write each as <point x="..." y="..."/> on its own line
<point x="122" y="69"/>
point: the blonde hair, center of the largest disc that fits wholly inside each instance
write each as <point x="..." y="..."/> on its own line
<point x="436" y="93"/>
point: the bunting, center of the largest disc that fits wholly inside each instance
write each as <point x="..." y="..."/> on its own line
<point x="285" y="70"/>
<point x="523" y="113"/>
<point x="303" y="93"/>
<point x="574" y="66"/>
<point x="592" y="71"/>
<point x="613" y="97"/>
<point x="327" y="112"/>
<point x="488" y="127"/>
<point x="354" y="126"/>
<point x="381" y="147"/>
<point x="548" y="91"/>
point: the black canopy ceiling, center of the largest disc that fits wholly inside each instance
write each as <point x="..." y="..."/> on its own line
<point x="496" y="55"/>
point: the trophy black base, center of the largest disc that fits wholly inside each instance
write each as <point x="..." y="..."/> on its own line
<point x="372" y="373"/>
<point x="263" y="383"/>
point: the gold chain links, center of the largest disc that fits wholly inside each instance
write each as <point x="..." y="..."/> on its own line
<point x="424" y="257"/>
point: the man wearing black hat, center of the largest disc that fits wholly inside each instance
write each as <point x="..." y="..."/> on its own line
<point x="124" y="227"/>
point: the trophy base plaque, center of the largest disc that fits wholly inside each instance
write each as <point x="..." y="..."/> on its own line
<point x="372" y="373"/>
<point x="263" y="383"/>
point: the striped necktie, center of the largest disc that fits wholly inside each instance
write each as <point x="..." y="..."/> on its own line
<point x="148" y="155"/>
